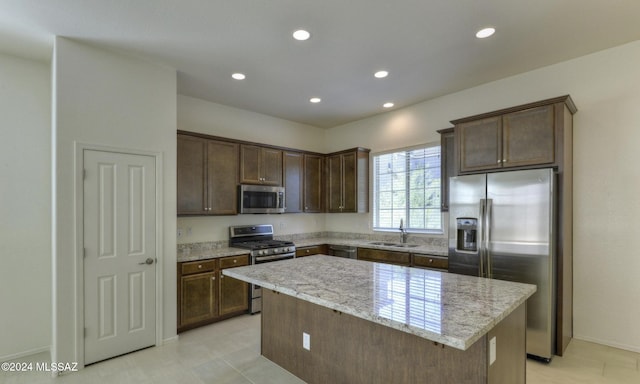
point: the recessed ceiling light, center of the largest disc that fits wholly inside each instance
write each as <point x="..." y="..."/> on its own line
<point x="388" y="105"/>
<point x="239" y="76"/>
<point x="485" y="32"/>
<point x="381" y="74"/>
<point x="315" y="100"/>
<point x="301" y="35"/>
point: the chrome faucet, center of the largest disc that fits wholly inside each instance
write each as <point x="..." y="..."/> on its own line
<point x="403" y="233"/>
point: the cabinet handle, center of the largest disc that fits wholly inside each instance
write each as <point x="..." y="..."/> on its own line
<point x="199" y="266"/>
<point x="430" y="261"/>
<point x="235" y="261"/>
<point x="213" y="277"/>
<point x="504" y="160"/>
<point x="499" y="161"/>
<point x="308" y="250"/>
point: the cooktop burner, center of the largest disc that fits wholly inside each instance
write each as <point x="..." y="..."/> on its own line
<point x="263" y="244"/>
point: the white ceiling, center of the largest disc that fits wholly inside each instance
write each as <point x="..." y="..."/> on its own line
<point x="428" y="46"/>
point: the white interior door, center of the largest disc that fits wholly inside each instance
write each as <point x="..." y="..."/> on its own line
<point x="120" y="253"/>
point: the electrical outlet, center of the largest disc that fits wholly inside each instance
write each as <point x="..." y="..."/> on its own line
<point x="492" y="350"/>
<point x="306" y="341"/>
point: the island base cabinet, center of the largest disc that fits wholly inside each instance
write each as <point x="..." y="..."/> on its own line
<point x="347" y="349"/>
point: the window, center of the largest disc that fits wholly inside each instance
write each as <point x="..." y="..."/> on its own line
<point x="406" y="186"/>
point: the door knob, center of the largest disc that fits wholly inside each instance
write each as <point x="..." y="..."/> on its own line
<point x="148" y="261"/>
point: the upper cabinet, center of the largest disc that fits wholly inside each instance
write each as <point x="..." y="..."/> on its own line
<point x="519" y="137"/>
<point x="447" y="165"/>
<point x="207" y="176"/>
<point x="293" y="165"/>
<point x="313" y="176"/>
<point x="260" y="165"/>
<point x="348" y="181"/>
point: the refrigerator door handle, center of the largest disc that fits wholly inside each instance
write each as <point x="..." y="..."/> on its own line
<point x="481" y="242"/>
<point x="487" y="232"/>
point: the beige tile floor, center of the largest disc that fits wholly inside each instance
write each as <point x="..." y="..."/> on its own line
<point x="229" y="353"/>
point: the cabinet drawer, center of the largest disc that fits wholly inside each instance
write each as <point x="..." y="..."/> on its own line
<point x="314" y="250"/>
<point x="429" y="261"/>
<point x="391" y="257"/>
<point x="234" y="261"/>
<point x="198" y="267"/>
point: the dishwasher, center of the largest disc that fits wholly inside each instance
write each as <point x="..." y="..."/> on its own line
<point x="345" y="251"/>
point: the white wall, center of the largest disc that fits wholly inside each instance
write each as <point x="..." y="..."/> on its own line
<point x="201" y="116"/>
<point x="606" y="89"/>
<point x="107" y="99"/>
<point x="25" y="207"/>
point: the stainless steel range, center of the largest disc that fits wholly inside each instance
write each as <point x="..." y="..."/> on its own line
<point x="264" y="249"/>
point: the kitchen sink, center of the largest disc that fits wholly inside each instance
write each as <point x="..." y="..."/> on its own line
<point x="393" y="244"/>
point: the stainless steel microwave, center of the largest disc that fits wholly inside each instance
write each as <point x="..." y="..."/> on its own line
<point x="260" y="199"/>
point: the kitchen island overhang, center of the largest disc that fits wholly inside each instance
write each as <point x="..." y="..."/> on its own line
<point x="363" y="318"/>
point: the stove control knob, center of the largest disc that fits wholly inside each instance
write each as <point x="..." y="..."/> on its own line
<point x="261" y="252"/>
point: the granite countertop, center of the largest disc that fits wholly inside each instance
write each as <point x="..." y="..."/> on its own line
<point x="219" y="250"/>
<point x="203" y="254"/>
<point x="450" y="309"/>
<point x="418" y="248"/>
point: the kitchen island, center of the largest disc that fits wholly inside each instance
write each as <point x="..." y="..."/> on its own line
<point x="335" y="320"/>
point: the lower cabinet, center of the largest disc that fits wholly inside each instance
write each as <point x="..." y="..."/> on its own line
<point x="440" y="263"/>
<point x="383" y="256"/>
<point x="205" y="296"/>
<point x="312" y="250"/>
<point x="406" y="259"/>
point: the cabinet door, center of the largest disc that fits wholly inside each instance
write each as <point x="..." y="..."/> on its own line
<point x="480" y="144"/>
<point x="293" y="181"/>
<point x="334" y="178"/>
<point x="250" y="165"/>
<point x="191" y="167"/>
<point x="234" y="293"/>
<point x="271" y="166"/>
<point x="350" y="182"/>
<point x="198" y="298"/>
<point x="528" y="137"/>
<point x="313" y="183"/>
<point x="260" y="165"/>
<point x="382" y="256"/>
<point x="222" y="178"/>
<point x="447" y="167"/>
<point x="312" y="250"/>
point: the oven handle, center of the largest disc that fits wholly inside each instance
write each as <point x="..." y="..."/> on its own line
<point x="282" y="256"/>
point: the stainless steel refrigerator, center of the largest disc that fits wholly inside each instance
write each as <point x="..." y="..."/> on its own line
<point x="501" y="226"/>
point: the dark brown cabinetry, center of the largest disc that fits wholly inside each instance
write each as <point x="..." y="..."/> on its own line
<point x="260" y="165"/>
<point x="293" y="181"/>
<point x="234" y="293"/>
<point x="383" y="256"/>
<point x="313" y="176"/>
<point x="205" y="296"/>
<point x="521" y="137"/>
<point x="312" y="250"/>
<point x="348" y="181"/>
<point x="210" y="169"/>
<point x="207" y="176"/>
<point x="447" y="165"/>
<point x="429" y="262"/>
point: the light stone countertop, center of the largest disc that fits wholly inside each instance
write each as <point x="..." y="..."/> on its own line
<point x="451" y="309"/>
<point x="419" y="248"/>
<point x="197" y="255"/>
<point x="214" y="253"/>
